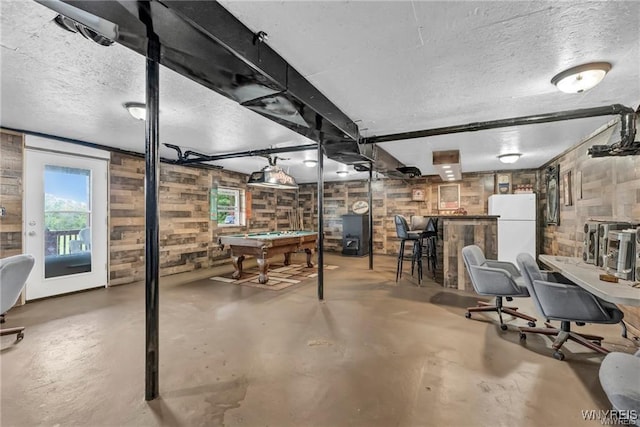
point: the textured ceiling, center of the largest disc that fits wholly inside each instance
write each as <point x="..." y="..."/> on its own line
<point x="390" y="66"/>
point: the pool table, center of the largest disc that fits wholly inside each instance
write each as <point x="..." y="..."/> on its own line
<point x="267" y="245"/>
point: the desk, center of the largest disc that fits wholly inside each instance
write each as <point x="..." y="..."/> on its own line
<point x="266" y="245"/>
<point x="586" y="276"/>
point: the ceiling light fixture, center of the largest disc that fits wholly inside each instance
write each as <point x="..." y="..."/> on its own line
<point x="310" y="163"/>
<point x="582" y="77"/>
<point x="272" y="176"/>
<point x="342" y="172"/>
<point x="509" y="158"/>
<point x="137" y="110"/>
<point x="447" y="164"/>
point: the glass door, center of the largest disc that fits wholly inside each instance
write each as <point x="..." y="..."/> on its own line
<point x="65" y="222"/>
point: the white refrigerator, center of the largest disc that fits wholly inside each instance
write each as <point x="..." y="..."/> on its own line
<point x="516" y="225"/>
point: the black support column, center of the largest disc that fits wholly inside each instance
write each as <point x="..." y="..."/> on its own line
<point x="370" y="216"/>
<point x="151" y="180"/>
<point x="320" y="221"/>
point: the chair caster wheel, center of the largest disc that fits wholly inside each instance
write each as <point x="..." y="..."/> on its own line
<point x="558" y="355"/>
<point x="523" y="336"/>
<point x="503" y="327"/>
<point x="532" y="324"/>
<point x="467" y="315"/>
<point x="19" y="336"/>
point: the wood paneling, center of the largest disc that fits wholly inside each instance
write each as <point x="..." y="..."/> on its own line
<point x="610" y="191"/>
<point x="11" y="176"/>
<point x="188" y="236"/>
<point x="453" y="235"/>
<point x="393" y="197"/>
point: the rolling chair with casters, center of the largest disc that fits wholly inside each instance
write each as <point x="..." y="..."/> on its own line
<point x="620" y="378"/>
<point x="494" y="278"/>
<point x="404" y="233"/>
<point x="14" y="272"/>
<point x="566" y="302"/>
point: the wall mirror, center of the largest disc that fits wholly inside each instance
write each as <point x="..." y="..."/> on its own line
<point x="553" y="195"/>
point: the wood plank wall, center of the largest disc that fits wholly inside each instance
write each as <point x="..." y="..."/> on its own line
<point x="392" y="197"/>
<point x="610" y="191"/>
<point x="188" y="237"/>
<point x="455" y="234"/>
<point x="11" y="178"/>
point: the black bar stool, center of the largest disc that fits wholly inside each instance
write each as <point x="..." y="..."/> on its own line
<point x="404" y="234"/>
<point x="430" y="234"/>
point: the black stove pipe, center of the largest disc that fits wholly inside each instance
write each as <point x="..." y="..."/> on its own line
<point x="516" y="121"/>
<point x="183" y="160"/>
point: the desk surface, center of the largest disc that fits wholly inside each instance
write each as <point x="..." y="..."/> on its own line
<point x="587" y="276"/>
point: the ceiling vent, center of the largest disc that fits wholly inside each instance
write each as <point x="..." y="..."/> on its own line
<point x="447" y="164"/>
<point x="75" y="27"/>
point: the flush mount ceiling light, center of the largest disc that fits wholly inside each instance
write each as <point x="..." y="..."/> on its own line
<point x="310" y="163"/>
<point x="342" y="173"/>
<point x="509" y="158"/>
<point x="581" y="78"/>
<point x="137" y="110"/>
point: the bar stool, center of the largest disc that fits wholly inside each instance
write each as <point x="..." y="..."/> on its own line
<point x="431" y="235"/>
<point x="404" y="234"/>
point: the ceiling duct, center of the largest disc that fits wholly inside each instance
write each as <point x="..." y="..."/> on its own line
<point x="387" y="165"/>
<point x="349" y="152"/>
<point x="75" y="27"/>
<point x="622" y="141"/>
<point x="203" y="41"/>
<point x="272" y="176"/>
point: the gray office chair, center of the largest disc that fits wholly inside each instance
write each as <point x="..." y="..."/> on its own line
<point x="14" y="272"/>
<point x="566" y="302"/>
<point x="620" y="379"/>
<point x="494" y="278"/>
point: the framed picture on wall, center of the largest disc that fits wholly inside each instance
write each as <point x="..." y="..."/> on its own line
<point x="553" y="195"/>
<point x="448" y="196"/>
<point x="579" y="185"/>
<point x="566" y="184"/>
<point x="503" y="183"/>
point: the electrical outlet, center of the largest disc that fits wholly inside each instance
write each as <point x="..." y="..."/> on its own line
<point x="3" y="211"/>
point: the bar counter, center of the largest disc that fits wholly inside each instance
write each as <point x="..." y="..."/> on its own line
<point x="456" y="232"/>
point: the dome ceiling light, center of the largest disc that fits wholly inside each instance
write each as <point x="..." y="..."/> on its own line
<point x="509" y="158"/>
<point x="582" y="77"/>
<point x="137" y="110"/>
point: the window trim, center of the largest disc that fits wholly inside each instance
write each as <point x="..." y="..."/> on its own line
<point x="239" y="207"/>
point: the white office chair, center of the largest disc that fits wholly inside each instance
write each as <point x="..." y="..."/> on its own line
<point x="14" y="272"/>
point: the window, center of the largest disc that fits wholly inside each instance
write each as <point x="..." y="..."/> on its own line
<point x="230" y="207"/>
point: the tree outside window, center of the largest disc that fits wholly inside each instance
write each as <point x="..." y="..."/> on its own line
<point x="230" y="210"/>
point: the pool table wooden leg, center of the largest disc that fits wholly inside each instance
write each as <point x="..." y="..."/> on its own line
<point x="309" y="254"/>
<point x="237" y="265"/>
<point x="263" y="265"/>
<point x="287" y="258"/>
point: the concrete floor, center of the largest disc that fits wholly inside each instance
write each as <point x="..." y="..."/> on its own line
<point x="374" y="353"/>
